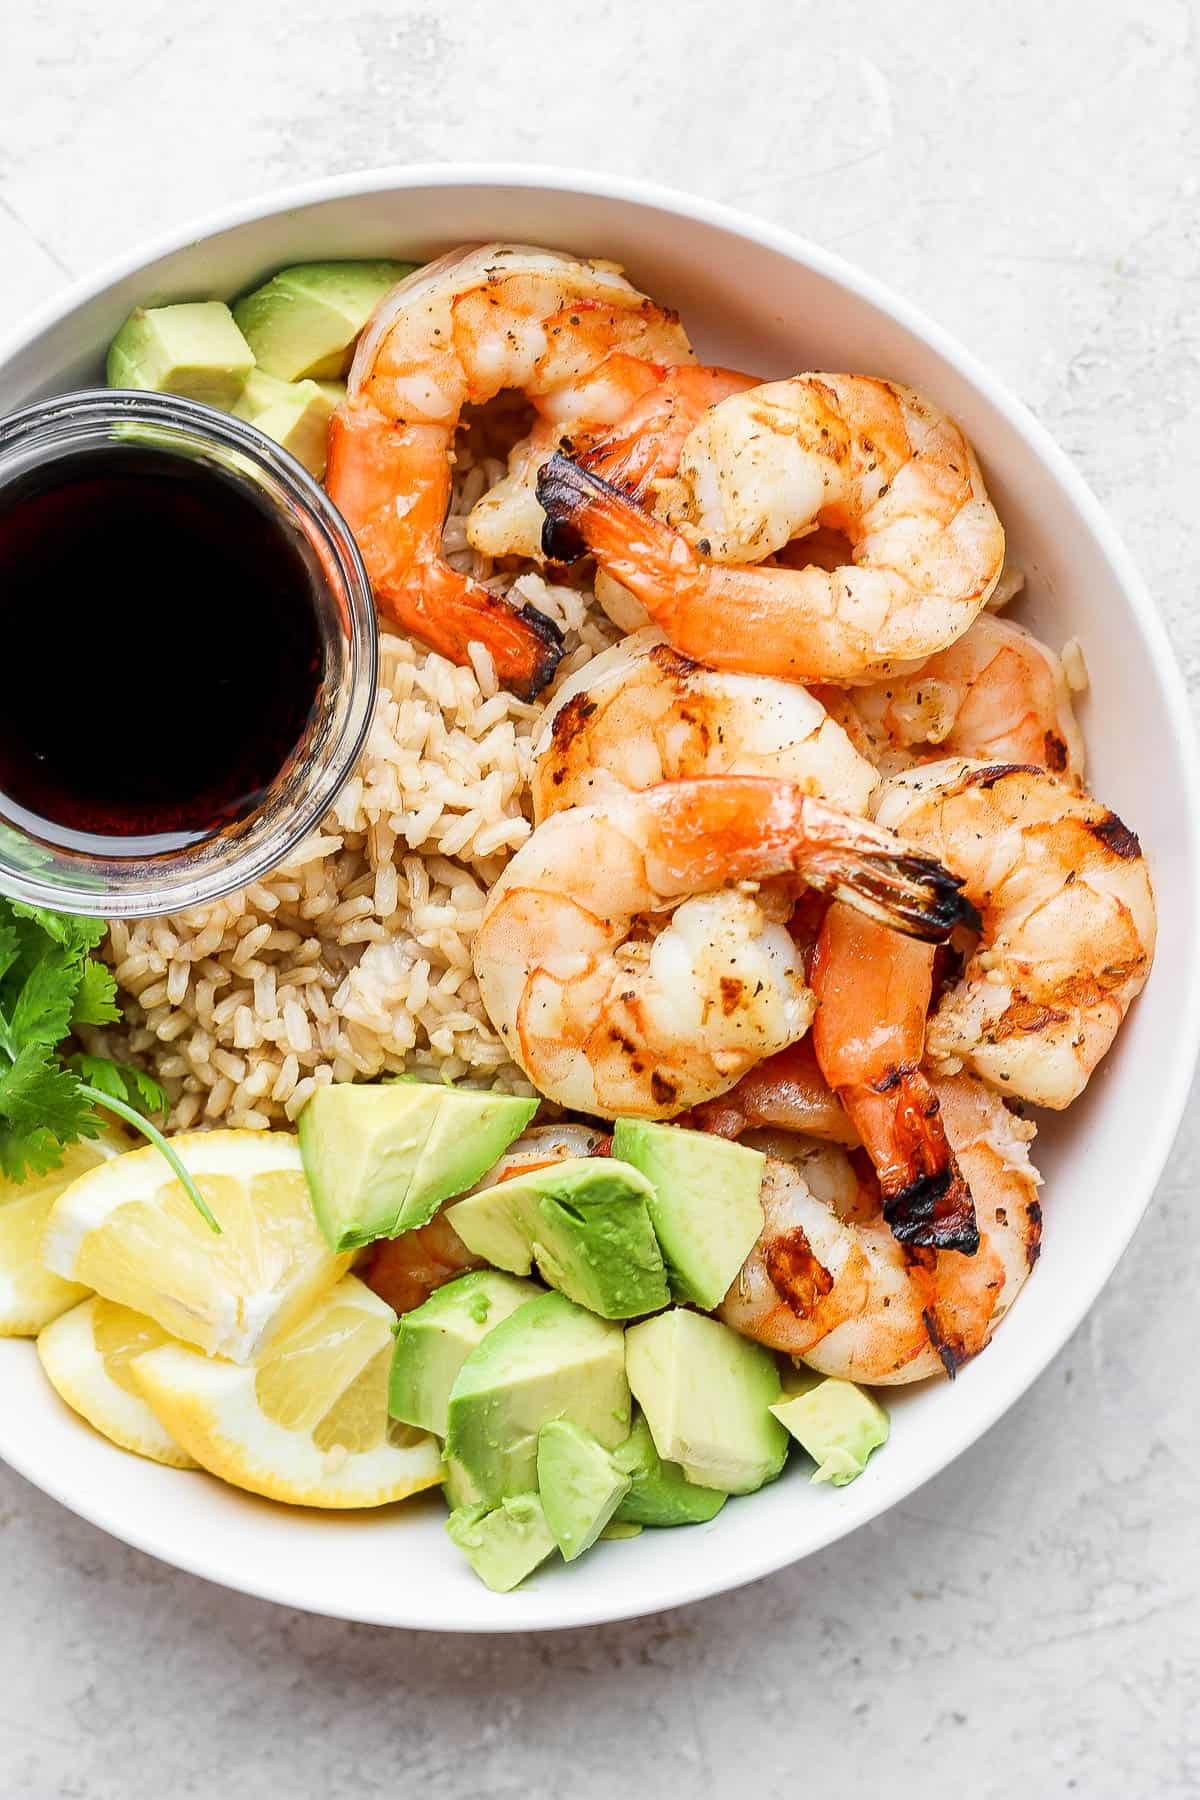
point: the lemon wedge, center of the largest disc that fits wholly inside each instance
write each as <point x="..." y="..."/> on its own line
<point x="30" y="1295"/>
<point x="86" y="1355"/>
<point x="308" y="1421"/>
<point x="128" y="1230"/>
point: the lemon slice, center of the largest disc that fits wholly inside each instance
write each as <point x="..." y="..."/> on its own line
<point x="128" y="1230"/>
<point x="30" y="1295"/>
<point x="308" y="1422"/>
<point x="86" y="1355"/>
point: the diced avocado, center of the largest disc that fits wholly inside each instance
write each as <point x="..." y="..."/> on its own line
<point x="621" y="1528"/>
<point x="377" y="1163"/>
<point x="471" y="1130"/>
<point x="295" y="413"/>
<point x="505" y="1543"/>
<point x="660" y="1493"/>
<point x="584" y="1222"/>
<point x="707" y="1395"/>
<point x="334" y="391"/>
<point x="837" y="1424"/>
<point x="458" y="1487"/>
<point x="303" y="322"/>
<point x="435" y="1339"/>
<point x="580" y="1485"/>
<point x="194" y="349"/>
<point x="548" y="1360"/>
<point x="705" y="1206"/>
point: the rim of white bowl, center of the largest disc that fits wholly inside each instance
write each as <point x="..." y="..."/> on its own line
<point x="760" y="1559"/>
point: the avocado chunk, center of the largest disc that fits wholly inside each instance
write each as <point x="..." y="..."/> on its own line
<point x="470" y="1131"/>
<point x="548" y="1360"/>
<point x="660" y="1493"/>
<point x="304" y="321"/>
<point x="295" y="413"/>
<point x="194" y="349"/>
<point x="707" y="1395"/>
<point x="381" y="1159"/>
<point x="579" y="1483"/>
<point x="584" y="1222"/>
<point x="457" y="1486"/>
<point x="504" y="1543"/>
<point x="705" y="1204"/>
<point x="435" y="1339"/>
<point x="837" y="1424"/>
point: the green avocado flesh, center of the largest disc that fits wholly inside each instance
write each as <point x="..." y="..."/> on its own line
<point x="584" y="1222"/>
<point x="457" y="1486"/>
<point x="579" y="1483"/>
<point x="837" y="1424"/>
<point x="435" y="1339"/>
<point x="305" y="320"/>
<point x="194" y="349"/>
<point x="381" y="1159"/>
<point x="295" y="413"/>
<point x="704" y="1203"/>
<point x="505" y="1543"/>
<point x="707" y="1395"/>
<point x="659" y="1492"/>
<point x="548" y="1360"/>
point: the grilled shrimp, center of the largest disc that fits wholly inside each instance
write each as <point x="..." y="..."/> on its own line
<point x="786" y="1092"/>
<point x="873" y="989"/>
<point x="613" y="1008"/>
<point x="998" y="693"/>
<point x="573" y="335"/>
<point x="641" y="447"/>
<point x="829" y="1283"/>
<point x="1068" y="922"/>
<point x="641" y="713"/>
<point x="848" y="453"/>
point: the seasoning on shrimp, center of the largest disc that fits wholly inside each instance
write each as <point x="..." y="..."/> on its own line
<point x="829" y="1283"/>
<point x="997" y="693"/>
<point x="642" y="713"/>
<point x="612" y="1008"/>
<point x="866" y="458"/>
<point x="642" y="446"/>
<point x="461" y="330"/>
<point x="1068" y="922"/>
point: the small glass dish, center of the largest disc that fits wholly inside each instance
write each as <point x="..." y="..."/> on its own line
<point x="39" y="870"/>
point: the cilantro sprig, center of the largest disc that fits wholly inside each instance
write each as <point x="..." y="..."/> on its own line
<point x="49" y="983"/>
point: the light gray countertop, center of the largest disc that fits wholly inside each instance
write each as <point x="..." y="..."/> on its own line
<point x="1030" y="1620"/>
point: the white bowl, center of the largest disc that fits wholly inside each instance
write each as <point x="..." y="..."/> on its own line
<point x="756" y="297"/>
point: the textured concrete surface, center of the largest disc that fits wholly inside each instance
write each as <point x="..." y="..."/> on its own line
<point x="1026" y="173"/>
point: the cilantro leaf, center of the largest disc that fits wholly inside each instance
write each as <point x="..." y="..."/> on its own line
<point x="96" y="999"/>
<point x="121" y="1081"/>
<point x="75" y="934"/>
<point x="40" y="1012"/>
<point x="36" y="1093"/>
<point x="10" y="948"/>
<point x="25" y="1153"/>
<point x="49" y="981"/>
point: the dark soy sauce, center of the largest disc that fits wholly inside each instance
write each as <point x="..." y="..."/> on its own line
<point x="160" y="653"/>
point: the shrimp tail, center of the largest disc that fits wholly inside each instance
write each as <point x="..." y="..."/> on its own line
<point x="371" y="461"/>
<point x="926" y="1200"/>
<point x="586" y="513"/>
<point x="885" y="878"/>
<point x="448" y="611"/>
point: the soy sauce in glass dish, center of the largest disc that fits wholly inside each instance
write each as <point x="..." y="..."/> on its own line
<point x="187" y="648"/>
<point x="163" y="628"/>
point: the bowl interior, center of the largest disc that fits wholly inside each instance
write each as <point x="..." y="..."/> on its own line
<point x="754" y="299"/>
